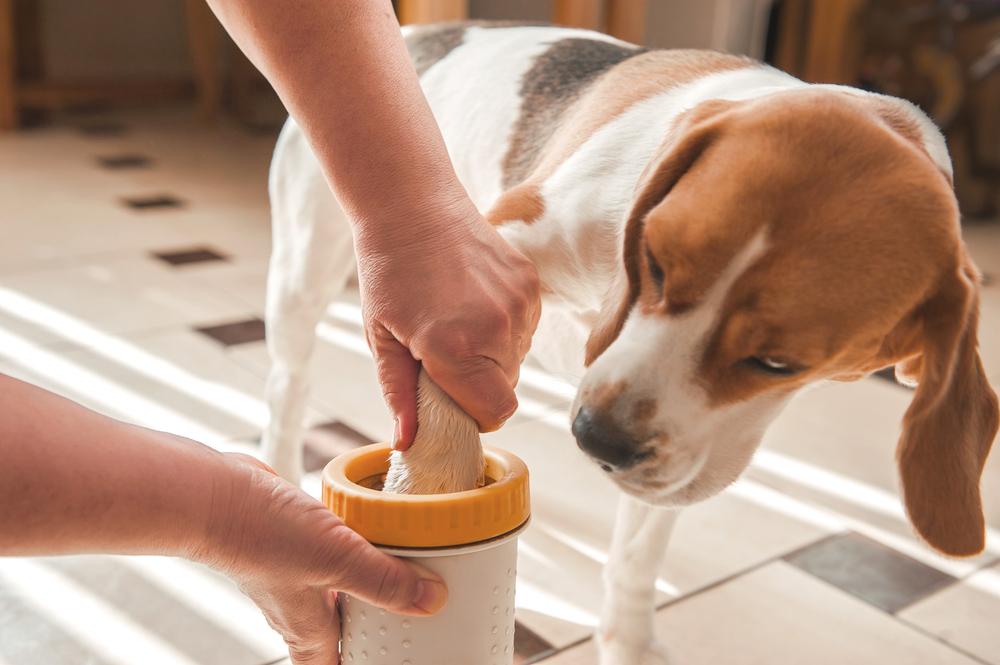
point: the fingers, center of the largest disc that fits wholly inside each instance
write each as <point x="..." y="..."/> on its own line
<point x="397" y="374"/>
<point x="388" y="582"/>
<point x="479" y="386"/>
<point x="313" y="634"/>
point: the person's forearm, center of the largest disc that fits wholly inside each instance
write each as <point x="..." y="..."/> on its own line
<point x="342" y="70"/>
<point x="72" y="480"/>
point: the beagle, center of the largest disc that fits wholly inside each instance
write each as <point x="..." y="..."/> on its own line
<point x="712" y="235"/>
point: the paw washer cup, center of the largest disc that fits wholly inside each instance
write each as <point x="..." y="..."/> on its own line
<point x="468" y="538"/>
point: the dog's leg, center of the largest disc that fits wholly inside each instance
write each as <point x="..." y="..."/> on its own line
<point x="446" y="455"/>
<point x="625" y="635"/>
<point x="311" y="260"/>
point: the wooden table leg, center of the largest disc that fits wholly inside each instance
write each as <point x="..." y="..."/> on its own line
<point x="8" y="67"/>
<point x="627" y="19"/>
<point x="587" y="14"/>
<point x="833" y="42"/>
<point x="203" y="34"/>
<point x="430" y="11"/>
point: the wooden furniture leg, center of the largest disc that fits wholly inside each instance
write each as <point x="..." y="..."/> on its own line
<point x="8" y="67"/>
<point x="833" y="47"/>
<point x="578" y="13"/>
<point x="203" y="44"/>
<point x="627" y="19"/>
<point x="429" y="11"/>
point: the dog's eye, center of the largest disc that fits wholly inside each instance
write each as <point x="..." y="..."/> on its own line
<point x="772" y="365"/>
<point x="655" y="271"/>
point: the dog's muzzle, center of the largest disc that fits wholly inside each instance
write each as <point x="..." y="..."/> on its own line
<point x="606" y="442"/>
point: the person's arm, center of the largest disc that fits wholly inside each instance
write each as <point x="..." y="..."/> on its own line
<point x="74" y="481"/>
<point x="438" y="283"/>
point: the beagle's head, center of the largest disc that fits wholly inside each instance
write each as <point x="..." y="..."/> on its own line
<point x="771" y="244"/>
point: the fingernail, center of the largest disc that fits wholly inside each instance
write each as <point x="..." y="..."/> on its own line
<point x="431" y="596"/>
<point x="395" y="435"/>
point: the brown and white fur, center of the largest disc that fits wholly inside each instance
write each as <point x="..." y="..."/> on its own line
<point x="712" y="235"/>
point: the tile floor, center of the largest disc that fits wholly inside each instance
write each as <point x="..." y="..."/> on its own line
<point x="132" y="270"/>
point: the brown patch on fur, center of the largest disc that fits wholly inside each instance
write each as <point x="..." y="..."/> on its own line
<point x="603" y="398"/>
<point x="678" y="153"/>
<point x="643" y="411"/>
<point x="523" y="203"/>
<point x="548" y="89"/>
<point x="429" y="44"/>
<point x="896" y="117"/>
<point x="621" y="86"/>
<point x="950" y="425"/>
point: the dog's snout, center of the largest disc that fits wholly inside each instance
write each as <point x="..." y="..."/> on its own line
<point x="600" y="437"/>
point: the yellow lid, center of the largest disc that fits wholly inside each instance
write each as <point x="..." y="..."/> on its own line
<point x="350" y="483"/>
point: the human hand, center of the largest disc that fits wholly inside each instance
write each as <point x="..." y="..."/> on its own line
<point x="291" y="556"/>
<point x="452" y="295"/>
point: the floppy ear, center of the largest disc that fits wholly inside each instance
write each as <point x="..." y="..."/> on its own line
<point x="951" y="422"/>
<point x="682" y="147"/>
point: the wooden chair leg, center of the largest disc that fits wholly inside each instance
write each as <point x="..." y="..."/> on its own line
<point x="587" y="14"/>
<point x="627" y="19"/>
<point x="430" y="11"/>
<point x="833" y="47"/>
<point x="203" y="43"/>
<point x="8" y="67"/>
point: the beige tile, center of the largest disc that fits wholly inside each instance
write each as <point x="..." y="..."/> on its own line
<point x="103" y="609"/>
<point x="573" y="510"/>
<point x="834" y="448"/>
<point x="115" y="296"/>
<point x="177" y="381"/>
<point x="964" y="615"/>
<point x="778" y="615"/>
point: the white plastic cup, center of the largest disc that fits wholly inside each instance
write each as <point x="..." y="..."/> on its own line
<point x="476" y="555"/>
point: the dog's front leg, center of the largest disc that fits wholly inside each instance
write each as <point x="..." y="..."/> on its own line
<point x="625" y="635"/>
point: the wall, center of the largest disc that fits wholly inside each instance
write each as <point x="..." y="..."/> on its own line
<point x="135" y="38"/>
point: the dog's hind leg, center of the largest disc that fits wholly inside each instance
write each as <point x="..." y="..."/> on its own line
<point x="625" y="634"/>
<point x="311" y="260"/>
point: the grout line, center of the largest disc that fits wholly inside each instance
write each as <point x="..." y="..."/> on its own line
<point x="937" y="638"/>
<point x="710" y="586"/>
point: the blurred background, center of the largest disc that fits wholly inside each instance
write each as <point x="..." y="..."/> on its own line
<point x="134" y="241"/>
<point x="942" y="54"/>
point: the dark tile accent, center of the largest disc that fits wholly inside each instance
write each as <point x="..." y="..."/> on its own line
<point x="326" y="441"/>
<point x="104" y="128"/>
<point x="152" y="202"/>
<point x="124" y="161"/>
<point x="870" y="571"/>
<point x="183" y="257"/>
<point x="529" y="647"/>
<point x="237" y="332"/>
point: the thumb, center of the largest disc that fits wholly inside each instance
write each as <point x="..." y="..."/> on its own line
<point x="392" y="583"/>
<point x="397" y="374"/>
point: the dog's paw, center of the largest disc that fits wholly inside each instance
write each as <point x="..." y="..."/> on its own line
<point x="446" y="455"/>
<point x="617" y="652"/>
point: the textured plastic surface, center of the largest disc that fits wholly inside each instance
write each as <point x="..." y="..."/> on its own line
<point x="425" y="520"/>
<point x="476" y="627"/>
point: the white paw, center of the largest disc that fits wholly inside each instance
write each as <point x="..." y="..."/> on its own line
<point x="617" y="652"/>
<point x="446" y="455"/>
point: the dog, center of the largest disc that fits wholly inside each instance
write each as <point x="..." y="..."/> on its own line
<point x="711" y="236"/>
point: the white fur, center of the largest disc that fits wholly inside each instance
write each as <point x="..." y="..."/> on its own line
<point x="446" y="455"/>
<point x="576" y="245"/>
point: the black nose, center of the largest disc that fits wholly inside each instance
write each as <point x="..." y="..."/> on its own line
<point x="601" y="438"/>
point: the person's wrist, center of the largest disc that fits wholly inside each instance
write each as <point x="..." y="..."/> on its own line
<point x="230" y="520"/>
<point x="436" y="220"/>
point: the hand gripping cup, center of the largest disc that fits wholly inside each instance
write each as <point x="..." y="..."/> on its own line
<point x="468" y="538"/>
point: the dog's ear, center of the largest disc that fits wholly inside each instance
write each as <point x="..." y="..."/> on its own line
<point x="693" y="133"/>
<point x="951" y="422"/>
